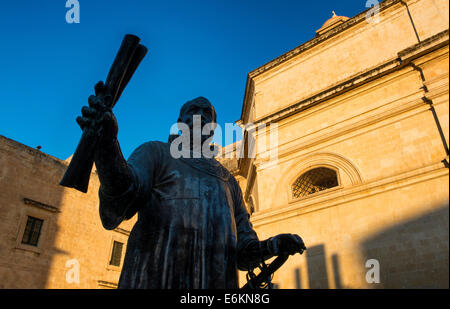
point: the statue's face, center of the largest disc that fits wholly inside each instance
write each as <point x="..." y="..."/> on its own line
<point x="204" y="113"/>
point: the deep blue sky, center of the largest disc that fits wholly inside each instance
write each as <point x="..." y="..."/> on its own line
<point x="197" y="48"/>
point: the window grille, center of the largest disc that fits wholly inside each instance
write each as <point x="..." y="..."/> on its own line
<point x="313" y="181"/>
<point x="32" y="231"/>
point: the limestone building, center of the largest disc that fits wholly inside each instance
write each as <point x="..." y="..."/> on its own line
<point x="359" y="116"/>
<point x="354" y="125"/>
<point x="51" y="236"/>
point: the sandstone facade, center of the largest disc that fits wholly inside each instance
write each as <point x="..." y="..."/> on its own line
<point x="369" y="101"/>
<point x="366" y="104"/>
<point x="73" y="250"/>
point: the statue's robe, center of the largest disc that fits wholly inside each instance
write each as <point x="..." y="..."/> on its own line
<point x="191" y="224"/>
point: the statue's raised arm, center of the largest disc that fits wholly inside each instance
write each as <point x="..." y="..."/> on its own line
<point x="114" y="174"/>
<point x="128" y="57"/>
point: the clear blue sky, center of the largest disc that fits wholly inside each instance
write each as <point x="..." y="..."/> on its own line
<point x="196" y="48"/>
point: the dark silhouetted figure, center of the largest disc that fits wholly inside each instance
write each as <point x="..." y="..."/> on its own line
<point x="193" y="230"/>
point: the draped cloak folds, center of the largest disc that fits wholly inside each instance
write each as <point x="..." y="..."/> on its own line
<point x="191" y="224"/>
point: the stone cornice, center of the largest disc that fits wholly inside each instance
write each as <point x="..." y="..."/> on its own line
<point x="334" y="198"/>
<point x="40" y="205"/>
<point x="248" y="97"/>
<point x="29" y="150"/>
<point x="250" y="183"/>
<point x="302" y="48"/>
<point x="107" y="284"/>
<point x="404" y="58"/>
<point x="423" y="47"/>
<point x="319" y="39"/>
<point x="122" y="231"/>
<point x="286" y="151"/>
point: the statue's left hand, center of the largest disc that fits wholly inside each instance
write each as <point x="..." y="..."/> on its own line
<point x="287" y="244"/>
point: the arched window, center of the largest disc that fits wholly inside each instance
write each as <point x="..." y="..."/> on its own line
<point x="315" y="180"/>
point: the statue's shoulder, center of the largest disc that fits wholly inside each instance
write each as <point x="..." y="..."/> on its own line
<point x="154" y="144"/>
<point x="224" y="170"/>
<point x="151" y="148"/>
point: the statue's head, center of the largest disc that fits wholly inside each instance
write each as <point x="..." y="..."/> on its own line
<point x="198" y="106"/>
<point x="203" y="109"/>
<point x="196" y="124"/>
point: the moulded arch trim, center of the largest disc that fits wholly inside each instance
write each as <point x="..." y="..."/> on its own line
<point x="323" y="159"/>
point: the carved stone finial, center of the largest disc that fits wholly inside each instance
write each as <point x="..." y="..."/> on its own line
<point x="334" y="13"/>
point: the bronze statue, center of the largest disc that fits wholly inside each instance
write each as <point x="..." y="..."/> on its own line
<point x="193" y="230"/>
